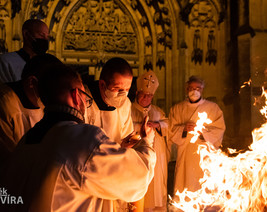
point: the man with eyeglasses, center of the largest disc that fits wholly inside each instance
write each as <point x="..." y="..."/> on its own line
<point x="156" y="196"/>
<point x="63" y="164"/>
<point x="182" y="120"/>
<point x="35" y="42"/>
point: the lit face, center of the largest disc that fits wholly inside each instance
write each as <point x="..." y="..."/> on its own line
<point x="115" y="93"/>
<point x="144" y="99"/>
<point x="120" y="83"/>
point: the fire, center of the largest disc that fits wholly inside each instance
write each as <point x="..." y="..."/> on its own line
<point x="203" y="118"/>
<point x="230" y="184"/>
<point x="245" y="84"/>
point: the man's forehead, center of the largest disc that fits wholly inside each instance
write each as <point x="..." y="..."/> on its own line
<point x="40" y="29"/>
<point x="195" y="84"/>
<point x="119" y="78"/>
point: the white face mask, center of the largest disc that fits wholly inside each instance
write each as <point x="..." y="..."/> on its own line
<point x="194" y="95"/>
<point x="115" y="98"/>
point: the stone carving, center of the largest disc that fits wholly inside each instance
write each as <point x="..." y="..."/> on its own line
<point x="161" y="37"/>
<point x="184" y="13"/>
<point x="157" y="18"/>
<point x="167" y="21"/>
<point x="202" y="17"/>
<point x="161" y="59"/>
<point x="15" y="7"/>
<point x="148" y="41"/>
<point x="165" y="10"/>
<point x="211" y="56"/>
<point x="100" y="26"/>
<point x="3" y="13"/>
<point x="197" y="54"/>
<point x="134" y="4"/>
<point x="143" y="21"/>
<point x="57" y="16"/>
<point x="66" y="2"/>
<point x="44" y="10"/>
<point x="3" y="44"/>
<point x="148" y="62"/>
<point x="149" y="2"/>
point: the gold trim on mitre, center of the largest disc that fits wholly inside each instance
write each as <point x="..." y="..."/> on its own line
<point x="148" y="82"/>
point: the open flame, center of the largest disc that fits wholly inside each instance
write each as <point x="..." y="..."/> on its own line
<point x="248" y="83"/>
<point x="203" y="118"/>
<point x="230" y="184"/>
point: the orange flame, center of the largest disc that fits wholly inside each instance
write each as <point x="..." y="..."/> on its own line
<point x="245" y="84"/>
<point x="203" y="118"/>
<point x="230" y="184"/>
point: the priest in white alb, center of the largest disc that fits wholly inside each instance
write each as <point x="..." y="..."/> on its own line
<point x="182" y="119"/>
<point x="147" y="84"/>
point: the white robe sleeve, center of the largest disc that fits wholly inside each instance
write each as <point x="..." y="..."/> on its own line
<point x="119" y="173"/>
<point x="214" y="132"/>
<point x="163" y="121"/>
<point x="176" y="126"/>
<point x="127" y="126"/>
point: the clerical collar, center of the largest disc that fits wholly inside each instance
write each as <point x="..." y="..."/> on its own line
<point x="64" y="113"/>
<point x="17" y="87"/>
<point x="144" y="110"/>
<point x="95" y="91"/>
<point x="23" y="54"/>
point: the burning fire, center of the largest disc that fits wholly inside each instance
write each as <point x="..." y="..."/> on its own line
<point x="231" y="184"/>
<point x="203" y="118"/>
<point x="245" y="84"/>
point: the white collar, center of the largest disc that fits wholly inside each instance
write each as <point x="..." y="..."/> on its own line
<point x="144" y="110"/>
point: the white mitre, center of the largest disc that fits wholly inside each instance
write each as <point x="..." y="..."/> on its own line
<point x="148" y="82"/>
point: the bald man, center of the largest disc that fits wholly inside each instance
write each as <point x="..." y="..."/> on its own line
<point x="35" y="42"/>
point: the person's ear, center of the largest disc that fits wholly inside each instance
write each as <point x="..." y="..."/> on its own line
<point x="75" y="96"/>
<point x="26" y="35"/>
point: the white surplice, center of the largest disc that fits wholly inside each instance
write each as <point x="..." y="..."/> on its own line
<point x="15" y="120"/>
<point x="117" y="124"/>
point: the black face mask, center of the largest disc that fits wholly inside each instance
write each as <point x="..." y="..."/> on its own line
<point x="40" y="46"/>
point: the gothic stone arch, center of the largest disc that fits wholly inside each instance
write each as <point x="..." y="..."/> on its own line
<point x="90" y="32"/>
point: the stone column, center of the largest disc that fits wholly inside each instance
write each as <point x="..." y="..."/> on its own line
<point x="241" y="34"/>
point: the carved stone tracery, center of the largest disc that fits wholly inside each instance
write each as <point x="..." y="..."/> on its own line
<point x="100" y="26"/>
<point x="203" y="16"/>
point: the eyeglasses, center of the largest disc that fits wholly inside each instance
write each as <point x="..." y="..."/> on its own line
<point x="145" y="95"/>
<point x="192" y="88"/>
<point x="88" y="99"/>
